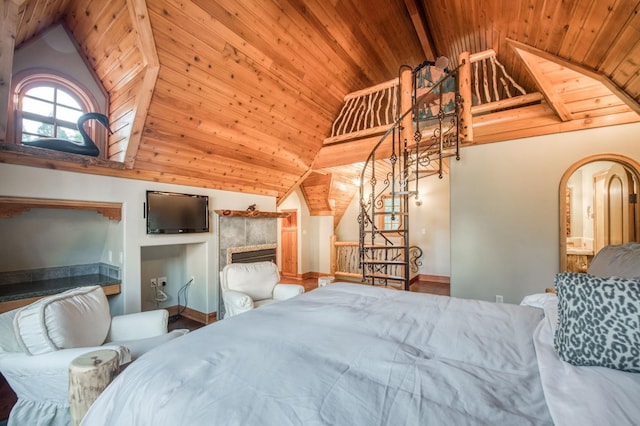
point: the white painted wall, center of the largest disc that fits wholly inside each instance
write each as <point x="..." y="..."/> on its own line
<point x="348" y="228"/>
<point x="22" y="181"/>
<point x="55" y="51"/>
<point x="505" y="209"/>
<point x="319" y="234"/>
<point x="429" y="226"/>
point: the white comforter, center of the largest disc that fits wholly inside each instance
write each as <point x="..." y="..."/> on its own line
<point x="344" y="354"/>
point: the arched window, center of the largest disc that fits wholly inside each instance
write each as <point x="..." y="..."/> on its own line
<point x="48" y="105"/>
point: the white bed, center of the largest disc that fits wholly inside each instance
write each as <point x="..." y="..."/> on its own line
<point x="349" y="354"/>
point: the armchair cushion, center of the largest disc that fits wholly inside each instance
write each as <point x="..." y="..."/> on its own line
<point x="254" y="279"/>
<point x="74" y="318"/>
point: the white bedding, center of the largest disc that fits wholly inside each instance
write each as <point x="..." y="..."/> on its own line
<point x="344" y="354"/>
<point x="583" y="396"/>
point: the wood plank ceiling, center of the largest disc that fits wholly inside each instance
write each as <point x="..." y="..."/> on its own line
<point x="239" y="95"/>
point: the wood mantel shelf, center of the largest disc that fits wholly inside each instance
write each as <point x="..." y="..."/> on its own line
<point x="12" y="206"/>
<point x="251" y="213"/>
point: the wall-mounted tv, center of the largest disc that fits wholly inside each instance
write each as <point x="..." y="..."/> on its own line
<point x="174" y="213"/>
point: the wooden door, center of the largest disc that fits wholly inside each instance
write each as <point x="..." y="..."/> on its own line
<point x="616" y="220"/>
<point x="289" y="241"/>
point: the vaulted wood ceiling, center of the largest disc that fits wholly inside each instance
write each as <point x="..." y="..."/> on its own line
<point x="240" y="94"/>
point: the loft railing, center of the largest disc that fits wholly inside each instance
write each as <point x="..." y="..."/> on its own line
<point x="485" y="86"/>
<point x="366" y="112"/>
<point x="345" y="259"/>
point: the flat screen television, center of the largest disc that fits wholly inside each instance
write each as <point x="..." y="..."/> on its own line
<point x="174" y="213"/>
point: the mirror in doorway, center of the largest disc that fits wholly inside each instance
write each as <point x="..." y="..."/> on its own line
<point x="598" y="196"/>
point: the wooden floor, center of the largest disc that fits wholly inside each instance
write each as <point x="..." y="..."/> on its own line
<point x="8" y="398"/>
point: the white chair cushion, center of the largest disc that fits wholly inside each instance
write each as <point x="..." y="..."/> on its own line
<point x="255" y="279"/>
<point x="75" y="318"/>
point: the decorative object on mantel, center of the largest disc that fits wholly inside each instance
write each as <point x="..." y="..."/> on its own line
<point x="11" y="206"/>
<point x="252" y="208"/>
<point x="248" y="213"/>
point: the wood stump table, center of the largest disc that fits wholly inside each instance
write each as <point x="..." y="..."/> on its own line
<point x="89" y="375"/>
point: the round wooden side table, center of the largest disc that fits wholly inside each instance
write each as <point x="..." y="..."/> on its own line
<point x="89" y="375"/>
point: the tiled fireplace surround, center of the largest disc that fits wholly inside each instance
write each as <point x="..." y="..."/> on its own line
<point x="247" y="233"/>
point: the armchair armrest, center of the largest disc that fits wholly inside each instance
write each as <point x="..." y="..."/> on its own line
<point x="46" y="376"/>
<point x="287" y="291"/>
<point x="236" y="302"/>
<point x="138" y="326"/>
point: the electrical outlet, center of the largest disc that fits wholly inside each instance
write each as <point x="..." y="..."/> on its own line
<point x="499" y="298"/>
<point x="162" y="281"/>
<point x="154" y="282"/>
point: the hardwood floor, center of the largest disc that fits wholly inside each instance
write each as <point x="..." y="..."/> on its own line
<point x="8" y="398"/>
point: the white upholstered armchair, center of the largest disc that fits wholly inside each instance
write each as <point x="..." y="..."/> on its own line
<point x="39" y="341"/>
<point x="249" y="285"/>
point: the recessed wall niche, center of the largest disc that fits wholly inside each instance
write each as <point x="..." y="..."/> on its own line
<point x="48" y="238"/>
<point x="178" y="263"/>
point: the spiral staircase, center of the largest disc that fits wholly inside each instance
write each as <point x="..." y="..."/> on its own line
<point x="417" y="145"/>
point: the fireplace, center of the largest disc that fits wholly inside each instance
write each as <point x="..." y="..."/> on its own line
<point x="246" y="237"/>
<point x="255" y="253"/>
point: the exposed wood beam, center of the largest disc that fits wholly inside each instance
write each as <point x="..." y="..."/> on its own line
<point x="8" y="27"/>
<point x="140" y="19"/>
<point x="630" y="101"/>
<point x="419" y="24"/>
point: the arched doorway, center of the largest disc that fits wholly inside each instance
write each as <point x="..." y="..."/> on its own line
<point x="598" y="207"/>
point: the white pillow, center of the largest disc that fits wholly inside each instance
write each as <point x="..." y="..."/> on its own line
<point x="73" y="319"/>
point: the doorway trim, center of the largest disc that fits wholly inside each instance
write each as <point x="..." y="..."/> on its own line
<point x="629" y="163"/>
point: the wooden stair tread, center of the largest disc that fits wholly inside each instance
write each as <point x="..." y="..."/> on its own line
<point x="385" y="262"/>
<point x="384" y="276"/>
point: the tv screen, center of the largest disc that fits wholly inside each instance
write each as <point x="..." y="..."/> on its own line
<point x="173" y="213"/>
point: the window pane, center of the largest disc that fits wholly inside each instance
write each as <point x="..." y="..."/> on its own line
<point x="41" y="92"/>
<point x="65" y="99"/>
<point x="69" y="134"/>
<point x="34" y="106"/>
<point x="67" y="114"/>
<point x="26" y="137"/>
<point x="37" y="128"/>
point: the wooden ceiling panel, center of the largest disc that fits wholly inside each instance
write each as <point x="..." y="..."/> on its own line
<point x="247" y="91"/>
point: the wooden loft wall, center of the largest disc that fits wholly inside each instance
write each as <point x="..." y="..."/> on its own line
<point x="118" y="46"/>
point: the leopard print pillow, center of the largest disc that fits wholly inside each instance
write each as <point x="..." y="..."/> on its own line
<point x="599" y="321"/>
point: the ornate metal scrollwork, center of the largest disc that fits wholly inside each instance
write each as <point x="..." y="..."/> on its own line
<point x="415" y="253"/>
